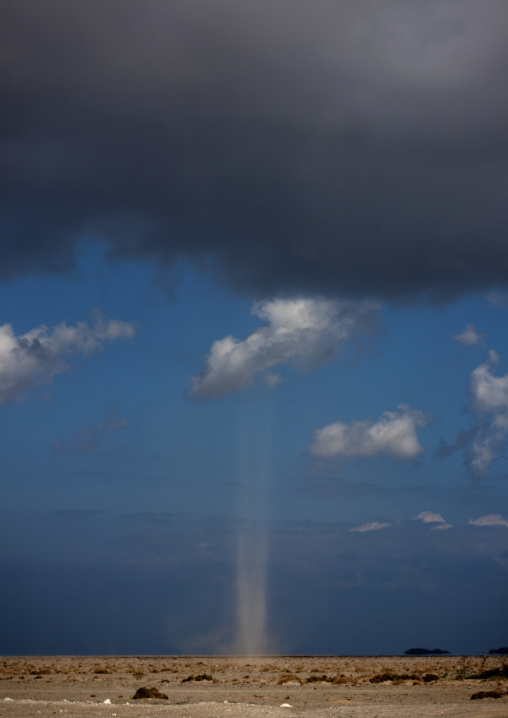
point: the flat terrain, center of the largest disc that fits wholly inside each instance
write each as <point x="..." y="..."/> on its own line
<point x="225" y="686"/>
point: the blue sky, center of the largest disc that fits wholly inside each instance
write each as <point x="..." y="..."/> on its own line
<point x="253" y="347"/>
<point x="112" y="467"/>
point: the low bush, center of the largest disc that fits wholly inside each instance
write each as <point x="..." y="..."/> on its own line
<point x="429" y="677"/>
<point x="382" y="677"/>
<point x="152" y="692"/>
<point x="200" y="677"/>
<point x="485" y="694"/>
<point x="319" y="679"/>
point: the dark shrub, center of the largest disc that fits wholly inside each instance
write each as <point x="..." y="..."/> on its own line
<point x="382" y="677"/>
<point x="428" y="677"/>
<point x="145" y="692"/>
<point x="486" y="694"/>
<point x="319" y="679"/>
<point x="200" y="677"/>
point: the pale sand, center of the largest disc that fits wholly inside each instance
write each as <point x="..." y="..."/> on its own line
<point x="249" y="687"/>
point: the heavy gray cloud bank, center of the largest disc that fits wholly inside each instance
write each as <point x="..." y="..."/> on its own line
<point x="302" y="333"/>
<point x="351" y="148"/>
<point x="35" y="357"/>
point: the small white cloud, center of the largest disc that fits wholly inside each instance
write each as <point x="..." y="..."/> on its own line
<point x="429" y="517"/>
<point x="441" y="527"/>
<point x="89" y="437"/>
<point x="489" y="393"/>
<point x="468" y="336"/>
<point x="498" y="299"/>
<point x="35" y="357"/>
<point x="489" y="520"/>
<point x="303" y="333"/>
<point x="373" y="526"/>
<point x="393" y="436"/>
<point x="271" y="380"/>
<point x="484" y="450"/>
<point x="489" y="402"/>
<point x="486" y="440"/>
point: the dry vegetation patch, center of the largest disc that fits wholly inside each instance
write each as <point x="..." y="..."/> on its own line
<point x="486" y="694"/>
<point x="199" y="677"/>
<point x="152" y="692"/>
<point x="288" y="679"/>
<point x="319" y="679"/>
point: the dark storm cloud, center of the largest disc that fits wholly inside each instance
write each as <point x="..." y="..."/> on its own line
<point x="354" y="148"/>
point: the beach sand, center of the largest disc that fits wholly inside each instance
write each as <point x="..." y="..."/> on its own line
<point x="225" y="686"/>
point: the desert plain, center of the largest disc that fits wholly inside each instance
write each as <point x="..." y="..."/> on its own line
<point x="253" y="687"/>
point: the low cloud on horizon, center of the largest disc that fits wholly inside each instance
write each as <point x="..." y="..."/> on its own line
<point x="429" y="517"/>
<point x="373" y="526"/>
<point x="489" y="520"/>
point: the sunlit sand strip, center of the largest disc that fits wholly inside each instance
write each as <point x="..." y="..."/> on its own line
<point x="81" y="709"/>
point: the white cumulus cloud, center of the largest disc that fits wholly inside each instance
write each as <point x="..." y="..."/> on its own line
<point x="486" y="440"/>
<point x="429" y="517"/>
<point x="489" y="402"/>
<point x="393" y="436"/>
<point x="303" y="333"/>
<point x="489" y="393"/>
<point x="468" y="336"/>
<point x="489" y="520"/>
<point x="373" y="526"/>
<point x="34" y="358"/>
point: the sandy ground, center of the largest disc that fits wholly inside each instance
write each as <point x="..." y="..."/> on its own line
<point x="265" y="687"/>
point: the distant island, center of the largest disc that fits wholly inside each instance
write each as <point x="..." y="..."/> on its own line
<point x="425" y="652"/>
<point x="499" y="651"/>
